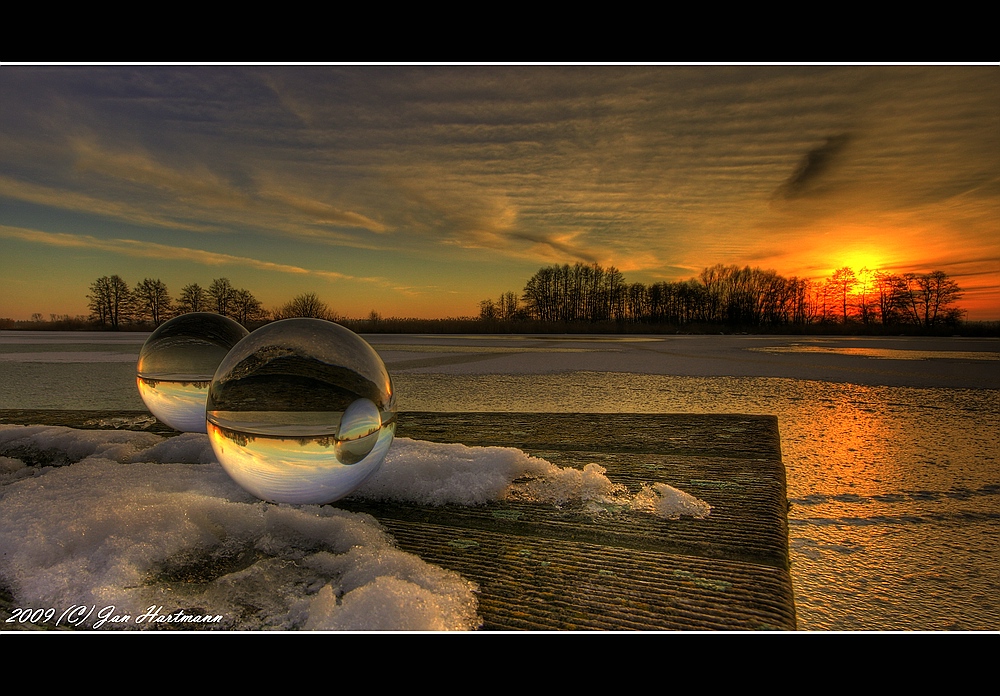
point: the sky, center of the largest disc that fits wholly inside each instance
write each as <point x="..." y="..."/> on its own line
<point x="418" y="191"/>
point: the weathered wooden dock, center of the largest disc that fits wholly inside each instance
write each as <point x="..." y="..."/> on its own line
<point x="545" y="568"/>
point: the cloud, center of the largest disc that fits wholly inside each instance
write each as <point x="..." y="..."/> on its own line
<point x="75" y="201"/>
<point x="132" y="247"/>
<point x="135" y="187"/>
<point x="481" y="211"/>
<point x="324" y="213"/>
<point x="814" y="166"/>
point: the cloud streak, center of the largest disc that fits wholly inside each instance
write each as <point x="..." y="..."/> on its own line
<point x="133" y="188"/>
<point x="153" y="250"/>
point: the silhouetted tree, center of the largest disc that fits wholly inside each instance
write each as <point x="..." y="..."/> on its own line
<point x="888" y="291"/>
<point x="841" y="283"/>
<point x="488" y="310"/>
<point x="305" y="305"/>
<point x="247" y="309"/>
<point x="220" y="294"/>
<point x="540" y="295"/>
<point x="864" y="298"/>
<point x="930" y="297"/>
<point x="152" y="300"/>
<point x="110" y="301"/>
<point x="803" y="311"/>
<point x="507" y="306"/>
<point x="637" y="302"/>
<point x="715" y="300"/>
<point x="193" y="298"/>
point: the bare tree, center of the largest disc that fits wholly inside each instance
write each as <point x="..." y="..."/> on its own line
<point x="305" y="305"/>
<point x="152" y="300"/>
<point x="841" y="283"/>
<point x="930" y="297"/>
<point x="220" y="294"/>
<point x="507" y="306"/>
<point x="863" y="298"/>
<point x="488" y="310"/>
<point x="888" y="296"/>
<point x="110" y="301"/>
<point x="247" y="309"/>
<point x="193" y="298"/>
<point x="803" y="312"/>
<point x="712" y="279"/>
<point x="97" y="300"/>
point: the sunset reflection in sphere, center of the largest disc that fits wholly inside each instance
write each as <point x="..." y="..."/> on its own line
<point x="301" y="411"/>
<point x="176" y="365"/>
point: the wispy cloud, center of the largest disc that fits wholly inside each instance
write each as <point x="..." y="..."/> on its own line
<point x="75" y="201"/>
<point x="153" y="250"/>
<point x="133" y="187"/>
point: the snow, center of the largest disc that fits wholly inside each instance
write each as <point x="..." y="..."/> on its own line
<point x="111" y="520"/>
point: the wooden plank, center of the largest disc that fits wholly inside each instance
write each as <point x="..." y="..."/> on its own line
<point x="545" y="568"/>
<point x="542" y="567"/>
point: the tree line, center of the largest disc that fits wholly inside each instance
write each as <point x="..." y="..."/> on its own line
<point x="730" y="296"/>
<point x="112" y="303"/>
<point x="584" y="297"/>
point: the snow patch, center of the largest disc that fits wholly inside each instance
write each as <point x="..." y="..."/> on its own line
<point x="133" y="520"/>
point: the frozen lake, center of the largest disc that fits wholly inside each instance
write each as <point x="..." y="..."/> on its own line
<point x="890" y="444"/>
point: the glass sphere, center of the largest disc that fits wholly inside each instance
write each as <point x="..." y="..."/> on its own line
<point x="301" y="411"/>
<point x="177" y="363"/>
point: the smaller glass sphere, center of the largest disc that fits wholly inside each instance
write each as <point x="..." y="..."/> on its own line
<point x="177" y="363"/>
<point x="301" y="411"/>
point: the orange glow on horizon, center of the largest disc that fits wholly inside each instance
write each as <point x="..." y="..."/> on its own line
<point x="894" y="245"/>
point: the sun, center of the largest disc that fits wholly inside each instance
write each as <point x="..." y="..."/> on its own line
<point x="861" y="261"/>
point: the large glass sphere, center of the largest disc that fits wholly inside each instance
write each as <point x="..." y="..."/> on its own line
<point x="301" y="411"/>
<point x="177" y="363"/>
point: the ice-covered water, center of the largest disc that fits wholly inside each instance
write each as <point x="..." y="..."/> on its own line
<point x="890" y="445"/>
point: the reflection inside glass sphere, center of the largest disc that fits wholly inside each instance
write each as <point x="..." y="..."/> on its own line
<point x="176" y="365"/>
<point x="301" y="411"/>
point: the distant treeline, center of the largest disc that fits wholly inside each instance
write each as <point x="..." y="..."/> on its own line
<point x="114" y="305"/>
<point x="732" y="298"/>
<point x="585" y="298"/>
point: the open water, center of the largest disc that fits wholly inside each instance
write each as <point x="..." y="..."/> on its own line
<point x="891" y="445"/>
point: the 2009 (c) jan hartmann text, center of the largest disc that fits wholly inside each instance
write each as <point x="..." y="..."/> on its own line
<point x="79" y="614"/>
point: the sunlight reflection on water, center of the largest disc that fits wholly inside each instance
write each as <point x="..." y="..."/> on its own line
<point x="884" y="353"/>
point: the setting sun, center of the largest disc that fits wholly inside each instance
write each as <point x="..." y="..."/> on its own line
<point x="861" y="262"/>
